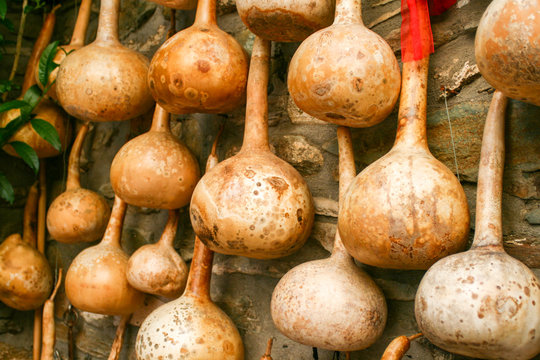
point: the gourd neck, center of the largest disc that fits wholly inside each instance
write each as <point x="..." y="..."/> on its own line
<point x="488" y="229"/>
<point x="73" y="177"/>
<point x="411" y="132"/>
<point x="256" y="124"/>
<point x="347" y="173"/>
<point x="113" y="232"/>
<point x="169" y="233"/>
<point x="79" y="32"/>
<point x="160" y="121"/>
<point x="108" y="21"/>
<point x="200" y="271"/>
<point x="29" y="218"/>
<point x="206" y="13"/>
<point x="348" y="12"/>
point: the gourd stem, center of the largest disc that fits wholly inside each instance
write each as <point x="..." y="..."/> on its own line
<point x="167" y="237"/>
<point x="73" y="177"/>
<point x="43" y="40"/>
<point x="347" y="173"/>
<point x="160" y="121"/>
<point x="200" y="272"/>
<point x="79" y="32"/>
<point x="411" y="130"/>
<point x="206" y="13"/>
<point x="108" y="21"/>
<point x="29" y="218"/>
<point x="348" y="12"/>
<point x="113" y="232"/>
<point x="256" y="127"/>
<point x="488" y="230"/>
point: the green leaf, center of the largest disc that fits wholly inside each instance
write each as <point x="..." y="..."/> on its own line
<point x="32" y="96"/>
<point x="3" y="9"/>
<point x="47" y="132"/>
<point x="26" y="153"/>
<point x="14" y="104"/>
<point x="6" y="190"/>
<point x="46" y="63"/>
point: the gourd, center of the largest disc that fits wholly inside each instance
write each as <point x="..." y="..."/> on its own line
<point x="104" y="81"/>
<point x="482" y="302"/>
<point x="253" y="204"/>
<point x="345" y="74"/>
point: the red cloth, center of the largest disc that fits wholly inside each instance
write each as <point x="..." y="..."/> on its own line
<point x="416" y="36"/>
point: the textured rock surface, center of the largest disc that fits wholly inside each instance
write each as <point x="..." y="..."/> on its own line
<point x="242" y="287"/>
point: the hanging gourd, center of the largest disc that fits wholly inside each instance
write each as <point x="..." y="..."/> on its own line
<point x="78" y="214"/>
<point x="337" y="304"/>
<point x="345" y="74"/>
<point x="104" y="81"/>
<point x="407" y="209"/>
<point x="253" y="204"/>
<point x="201" y="69"/>
<point x="507" y="48"/>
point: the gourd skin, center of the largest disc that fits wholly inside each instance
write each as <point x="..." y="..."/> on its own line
<point x="200" y="69"/>
<point x="155" y="160"/>
<point x="177" y="4"/>
<point x="501" y="292"/>
<point x="253" y="204"/>
<point x="285" y="21"/>
<point x="48" y="111"/>
<point x="333" y="83"/>
<point x="362" y="307"/>
<point x="192" y="328"/>
<point x="161" y="272"/>
<point x="404" y="211"/>
<point x="507" y="48"/>
<point x="25" y="275"/>
<point x="58" y="58"/>
<point x="104" y="82"/>
<point x="78" y="215"/>
<point x="96" y="282"/>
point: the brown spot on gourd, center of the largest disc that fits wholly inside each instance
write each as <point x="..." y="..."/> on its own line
<point x="278" y="184"/>
<point x="357" y="84"/>
<point x="321" y="89"/>
<point x="203" y="66"/>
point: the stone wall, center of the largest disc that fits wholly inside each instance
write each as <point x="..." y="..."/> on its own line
<point x="242" y="287"/>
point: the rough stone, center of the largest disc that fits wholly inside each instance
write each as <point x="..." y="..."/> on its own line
<point x="297" y="151"/>
<point x="533" y="217"/>
<point x="326" y="207"/>
<point x="8" y="352"/>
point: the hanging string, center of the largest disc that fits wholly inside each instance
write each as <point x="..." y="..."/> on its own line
<point x="451" y="133"/>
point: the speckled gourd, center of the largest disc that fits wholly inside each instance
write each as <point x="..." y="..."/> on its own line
<point x="104" y="81"/>
<point x="253" y="204"/>
<point x="483" y="303"/>
<point x="201" y="69"/>
<point x="96" y="279"/>
<point x="283" y="20"/>
<point x="157" y="268"/>
<point x="45" y="110"/>
<point x="407" y="209"/>
<point x="25" y="275"/>
<point x="77" y="214"/>
<point x="200" y="329"/>
<point x="345" y="74"/>
<point x="155" y="160"/>
<point x="507" y="48"/>
<point x="331" y="303"/>
<point x="77" y="41"/>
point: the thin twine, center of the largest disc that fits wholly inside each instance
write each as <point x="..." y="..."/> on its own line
<point x="451" y="134"/>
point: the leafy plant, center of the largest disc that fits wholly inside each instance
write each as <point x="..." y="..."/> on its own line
<point x="26" y="106"/>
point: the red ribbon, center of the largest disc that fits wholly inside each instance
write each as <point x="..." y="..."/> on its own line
<point x="416" y="36"/>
